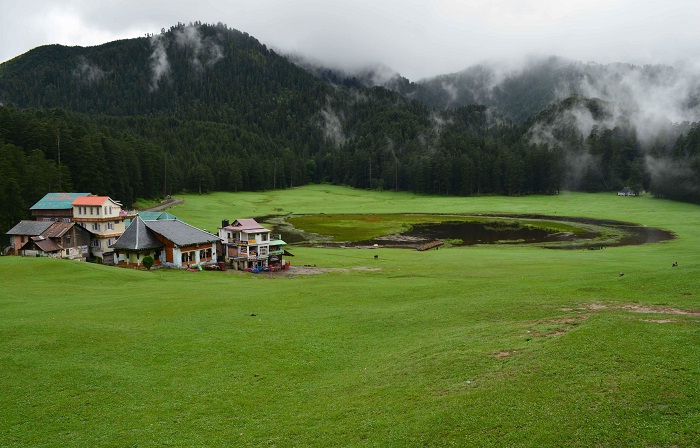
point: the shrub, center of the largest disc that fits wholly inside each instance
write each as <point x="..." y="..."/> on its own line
<point x="148" y="261"/>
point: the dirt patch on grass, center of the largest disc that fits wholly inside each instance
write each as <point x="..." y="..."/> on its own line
<point x="315" y="270"/>
<point x="505" y="354"/>
<point x="645" y="309"/>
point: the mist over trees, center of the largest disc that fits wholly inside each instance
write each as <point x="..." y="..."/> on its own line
<point x="203" y="107"/>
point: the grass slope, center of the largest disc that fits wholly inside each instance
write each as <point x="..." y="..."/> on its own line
<point x="477" y="346"/>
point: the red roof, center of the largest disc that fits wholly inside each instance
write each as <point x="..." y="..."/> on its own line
<point x="91" y="200"/>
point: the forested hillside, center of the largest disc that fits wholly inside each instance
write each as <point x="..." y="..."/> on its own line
<point x="204" y="107"/>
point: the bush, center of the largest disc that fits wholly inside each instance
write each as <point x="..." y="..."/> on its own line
<point x="148" y="261"/>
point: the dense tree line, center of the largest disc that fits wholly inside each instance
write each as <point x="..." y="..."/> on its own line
<point x="204" y="108"/>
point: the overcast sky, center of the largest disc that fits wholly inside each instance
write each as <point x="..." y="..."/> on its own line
<point x="415" y="38"/>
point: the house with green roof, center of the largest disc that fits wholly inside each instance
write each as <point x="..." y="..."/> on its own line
<point x="57" y="207"/>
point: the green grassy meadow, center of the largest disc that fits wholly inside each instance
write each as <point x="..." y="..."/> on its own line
<point x="470" y="346"/>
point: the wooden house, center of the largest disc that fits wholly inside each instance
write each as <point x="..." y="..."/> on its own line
<point x="21" y="233"/>
<point x="51" y="239"/>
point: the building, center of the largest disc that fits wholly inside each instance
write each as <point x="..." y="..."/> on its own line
<point x="170" y="242"/>
<point x="247" y="244"/>
<point x="627" y="191"/>
<point x="136" y="243"/>
<point x="55" y="207"/>
<point x="50" y="239"/>
<point x="103" y="217"/>
<point x="21" y="233"/>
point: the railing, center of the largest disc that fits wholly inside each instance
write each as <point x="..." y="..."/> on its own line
<point x="249" y="257"/>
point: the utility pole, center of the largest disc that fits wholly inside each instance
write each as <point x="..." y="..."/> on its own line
<point x="274" y="175"/>
<point x="165" y="175"/>
<point x="370" y="174"/>
<point x="58" y="147"/>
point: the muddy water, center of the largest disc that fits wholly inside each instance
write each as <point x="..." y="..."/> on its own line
<point x="461" y="233"/>
<point x="470" y="233"/>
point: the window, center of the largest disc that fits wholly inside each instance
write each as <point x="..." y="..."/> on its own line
<point x="91" y="210"/>
<point x="95" y="243"/>
<point x="110" y="226"/>
<point x="21" y="239"/>
<point x="110" y="209"/>
<point x="95" y="226"/>
<point x="68" y="239"/>
<point x="105" y="210"/>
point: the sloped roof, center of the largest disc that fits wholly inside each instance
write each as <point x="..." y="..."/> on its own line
<point x="58" y="229"/>
<point x="93" y="200"/>
<point x="180" y="232"/>
<point x="137" y="237"/>
<point x="44" y="244"/>
<point x="57" y="201"/>
<point x="31" y="228"/>
<point x="246" y="225"/>
<point x="154" y="216"/>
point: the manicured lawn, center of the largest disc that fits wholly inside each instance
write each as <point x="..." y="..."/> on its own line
<point x="474" y="346"/>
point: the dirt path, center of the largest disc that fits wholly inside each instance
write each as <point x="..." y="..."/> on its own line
<point x="163" y="205"/>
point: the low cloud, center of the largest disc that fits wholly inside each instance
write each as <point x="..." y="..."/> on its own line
<point x="160" y="66"/>
<point x="205" y="52"/>
<point x="88" y="72"/>
<point x="332" y="124"/>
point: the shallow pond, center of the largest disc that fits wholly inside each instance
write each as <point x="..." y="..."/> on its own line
<point x="504" y="229"/>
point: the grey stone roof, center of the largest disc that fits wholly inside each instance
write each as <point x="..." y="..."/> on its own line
<point x="137" y="237"/>
<point x="180" y="233"/>
<point x="31" y="228"/>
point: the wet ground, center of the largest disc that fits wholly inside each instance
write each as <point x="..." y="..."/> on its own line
<point x="595" y="234"/>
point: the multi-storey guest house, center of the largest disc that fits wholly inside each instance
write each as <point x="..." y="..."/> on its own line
<point x="103" y="217"/>
<point x="247" y="244"/>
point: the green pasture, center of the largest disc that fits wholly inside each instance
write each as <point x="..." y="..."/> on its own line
<point x="465" y="346"/>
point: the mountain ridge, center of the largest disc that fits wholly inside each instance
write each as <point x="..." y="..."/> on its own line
<point x="218" y="110"/>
